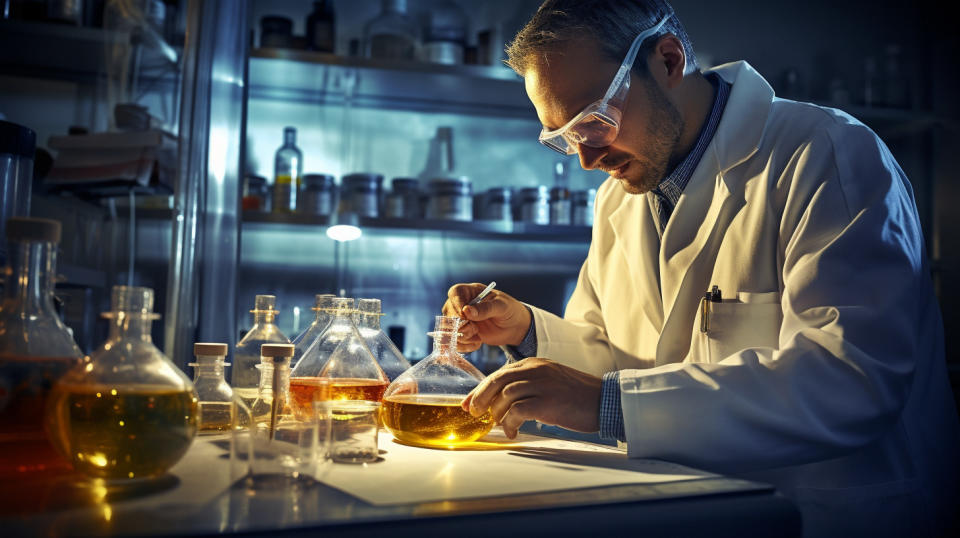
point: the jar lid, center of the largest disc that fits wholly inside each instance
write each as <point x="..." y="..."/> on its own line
<point x="17" y="140"/>
<point x="559" y="193"/>
<point x="534" y="193"/>
<point x="255" y="180"/>
<point x="210" y="349"/>
<point x="405" y="184"/>
<point x="500" y="194"/>
<point x="584" y="196"/>
<point x="33" y="229"/>
<point x="276" y="350"/>
<point x="318" y="180"/>
<point x="451" y="185"/>
<point x="363" y="178"/>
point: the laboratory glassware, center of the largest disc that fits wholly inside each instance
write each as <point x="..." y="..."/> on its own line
<point x="245" y="377"/>
<point x="422" y="406"/>
<point x="36" y="349"/>
<point x="214" y="395"/>
<point x="288" y="173"/>
<point x="127" y="412"/>
<point x="387" y="355"/>
<point x="17" y="147"/>
<point x="393" y="34"/>
<point x="284" y="446"/>
<point x="322" y="305"/>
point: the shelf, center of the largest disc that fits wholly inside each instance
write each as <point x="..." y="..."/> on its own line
<point x="60" y="51"/>
<point x="402" y="227"/>
<point x="313" y="77"/>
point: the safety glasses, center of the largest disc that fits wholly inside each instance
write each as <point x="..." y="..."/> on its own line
<point x="597" y="125"/>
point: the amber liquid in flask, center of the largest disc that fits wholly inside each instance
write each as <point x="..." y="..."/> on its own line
<point x="304" y="390"/>
<point x="133" y="432"/>
<point x="432" y="419"/>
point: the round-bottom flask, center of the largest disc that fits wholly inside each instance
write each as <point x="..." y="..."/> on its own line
<point x="126" y="412"/>
<point x="422" y="406"/>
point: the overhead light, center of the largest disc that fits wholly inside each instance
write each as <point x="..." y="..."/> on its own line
<point x="344" y="226"/>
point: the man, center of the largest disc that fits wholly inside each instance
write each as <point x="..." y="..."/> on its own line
<point x="814" y="361"/>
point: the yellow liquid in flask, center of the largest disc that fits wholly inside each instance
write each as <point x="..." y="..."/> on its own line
<point x="432" y="419"/>
<point x="126" y="432"/>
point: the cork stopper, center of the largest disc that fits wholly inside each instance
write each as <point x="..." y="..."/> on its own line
<point x="276" y="350"/>
<point x="210" y="349"/>
<point x="33" y="229"/>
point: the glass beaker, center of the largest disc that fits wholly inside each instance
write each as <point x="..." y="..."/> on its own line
<point x="36" y="349"/>
<point x="245" y="376"/>
<point x="422" y="406"/>
<point x="322" y="305"/>
<point x="214" y="394"/>
<point x="284" y="447"/>
<point x="127" y="412"/>
<point x="388" y="356"/>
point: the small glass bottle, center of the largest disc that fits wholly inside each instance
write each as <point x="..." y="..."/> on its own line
<point x="393" y="34"/>
<point x="321" y="27"/>
<point x="127" y="412"/>
<point x="535" y="205"/>
<point x="422" y="406"/>
<point x="36" y="349"/>
<point x="388" y="356"/>
<point x="288" y="171"/>
<point x="283" y="447"/>
<point x="214" y="394"/>
<point x="245" y="377"/>
<point x="322" y="305"/>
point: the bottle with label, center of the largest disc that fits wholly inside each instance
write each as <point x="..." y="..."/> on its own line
<point x="127" y="412"/>
<point x="393" y="34"/>
<point x="422" y="405"/>
<point x="36" y="350"/>
<point x="214" y="394"/>
<point x="321" y="27"/>
<point x="245" y="377"/>
<point x="288" y="172"/>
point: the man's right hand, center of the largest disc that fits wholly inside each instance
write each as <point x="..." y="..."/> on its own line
<point x="497" y="320"/>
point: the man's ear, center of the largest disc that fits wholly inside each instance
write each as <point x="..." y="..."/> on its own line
<point x="669" y="60"/>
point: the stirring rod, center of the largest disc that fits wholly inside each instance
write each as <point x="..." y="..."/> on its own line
<point x="483" y="294"/>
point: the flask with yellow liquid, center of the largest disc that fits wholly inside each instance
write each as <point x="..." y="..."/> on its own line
<point x="126" y="412"/>
<point x="422" y="406"/>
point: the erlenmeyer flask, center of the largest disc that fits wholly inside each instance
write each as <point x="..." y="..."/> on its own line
<point x="214" y="394"/>
<point x="127" y="412"/>
<point x="422" y="406"/>
<point x="36" y="349"/>
<point x="322" y="306"/>
<point x="388" y="356"/>
<point x="245" y="377"/>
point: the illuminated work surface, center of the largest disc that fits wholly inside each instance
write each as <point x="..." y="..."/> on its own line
<point x="534" y="485"/>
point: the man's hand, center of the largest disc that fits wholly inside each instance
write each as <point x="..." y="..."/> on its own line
<point x="497" y="320"/>
<point x="538" y="389"/>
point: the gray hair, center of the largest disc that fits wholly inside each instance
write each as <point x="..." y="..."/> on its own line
<point x="614" y="24"/>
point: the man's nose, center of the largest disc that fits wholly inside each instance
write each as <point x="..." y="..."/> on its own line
<point x="590" y="157"/>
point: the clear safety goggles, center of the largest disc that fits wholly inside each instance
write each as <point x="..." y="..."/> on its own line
<point x="597" y="125"/>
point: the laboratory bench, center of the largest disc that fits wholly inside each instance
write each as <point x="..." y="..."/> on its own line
<point x="531" y="486"/>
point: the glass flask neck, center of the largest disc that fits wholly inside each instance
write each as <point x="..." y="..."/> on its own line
<point x="264" y="317"/>
<point x="371" y="321"/>
<point x="130" y="326"/>
<point x="210" y="366"/>
<point x="30" y="277"/>
<point x="289" y="137"/>
<point x="444" y="342"/>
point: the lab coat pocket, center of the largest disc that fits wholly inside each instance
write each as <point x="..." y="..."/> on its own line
<point x="752" y="320"/>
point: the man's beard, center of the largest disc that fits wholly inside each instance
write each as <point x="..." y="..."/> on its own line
<point x="663" y="125"/>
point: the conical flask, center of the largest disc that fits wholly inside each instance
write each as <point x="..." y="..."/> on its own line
<point x="36" y="349"/>
<point x="322" y="306"/>
<point x="245" y="377"/>
<point x="127" y="412"/>
<point x="422" y="406"/>
<point x="388" y="356"/>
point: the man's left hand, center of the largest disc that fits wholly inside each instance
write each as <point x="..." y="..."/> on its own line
<point x="538" y="389"/>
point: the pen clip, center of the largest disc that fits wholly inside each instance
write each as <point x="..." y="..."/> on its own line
<point x="705" y="313"/>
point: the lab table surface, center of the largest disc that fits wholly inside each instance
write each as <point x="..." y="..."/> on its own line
<point x="531" y="486"/>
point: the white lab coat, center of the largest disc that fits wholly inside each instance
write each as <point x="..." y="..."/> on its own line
<point x="823" y="371"/>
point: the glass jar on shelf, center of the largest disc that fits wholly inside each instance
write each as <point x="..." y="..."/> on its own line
<point x="446" y="34"/>
<point x="583" y="207"/>
<point x="535" y="205"/>
<point x="422" y="406"/>
<point x="497" y="206"/>
<point x="245" y="377"/>
<point x="36" y="350"/>
<point x="561" y="207"/>
<point x="361" y="191"/>
<point x="127" y="412"/>
<point x="321" y="27"/>
<point x="318" y="194"/>
<point x="214" y="395"/>
<point x="393" y="34"/>
<point x="451" y="198"/>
